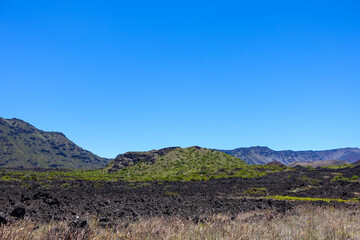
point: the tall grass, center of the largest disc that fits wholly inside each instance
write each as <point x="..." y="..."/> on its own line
<point x="303" y="223"/>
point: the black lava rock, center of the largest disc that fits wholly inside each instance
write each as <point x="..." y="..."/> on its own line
<point x="2" y="219"/>
<point x="18" y="212"/>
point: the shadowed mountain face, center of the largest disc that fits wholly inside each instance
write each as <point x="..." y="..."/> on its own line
<point x="263" y="155"/>
<point x="22" y="145"/>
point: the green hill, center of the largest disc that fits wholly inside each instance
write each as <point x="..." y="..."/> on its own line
<point x="168" y="164"/>
<point x="193" y="163"/>
<point x="23" y="145"/>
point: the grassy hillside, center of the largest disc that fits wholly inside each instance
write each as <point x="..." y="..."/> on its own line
<point x="193" y="163"/>
<point x="22" y="145"/>
<point x="171" y="164"/>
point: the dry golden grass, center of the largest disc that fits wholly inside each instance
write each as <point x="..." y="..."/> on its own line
<point x="304" y="223"/>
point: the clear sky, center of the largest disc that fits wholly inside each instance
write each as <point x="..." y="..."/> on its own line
<point x="117" y="76"/>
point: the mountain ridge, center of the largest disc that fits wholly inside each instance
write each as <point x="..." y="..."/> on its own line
<point x="24" y="146"/>
<point x="263" y="155"/>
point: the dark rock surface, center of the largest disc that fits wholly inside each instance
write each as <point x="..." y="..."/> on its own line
<point x="2" y="219"/>
<point x="111" y="202"/>
<point x="18" y="212"/>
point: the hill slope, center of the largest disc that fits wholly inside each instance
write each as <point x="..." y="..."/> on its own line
<point x="263" y="155"/>
<point x="177" y="163"/>
<point x="22" y="145"/>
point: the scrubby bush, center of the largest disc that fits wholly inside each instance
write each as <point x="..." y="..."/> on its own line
<point x="339" y="177"/>
<point x="355" y="177"/>
<point x="29" y="176"/>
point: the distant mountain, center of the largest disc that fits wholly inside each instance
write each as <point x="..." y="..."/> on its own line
<point x="23" y="145"/>
<point x="320" y="163"/>
<point x="263" y="155"/>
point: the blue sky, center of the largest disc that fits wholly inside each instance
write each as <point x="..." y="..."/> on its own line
<point x="117" y="76"/>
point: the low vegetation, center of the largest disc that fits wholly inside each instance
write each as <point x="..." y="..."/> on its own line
<point x="340" y="177"/>
<point x="338" y="166"/>
<point x="142" y="172"/>
<point x="303" y="223"/>
<point x="310" y="199"/>
<point x="310" y="180"/>
<point x="256" y="191"/>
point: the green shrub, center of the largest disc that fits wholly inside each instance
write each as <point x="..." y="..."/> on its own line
<point x="30" y="176"/>
<point x="310" y="180"/>
<point x="355" y="177"/>
<point x="339" y="177"/>
<point x="26" y="185"/>
<point x="65" y="185"/>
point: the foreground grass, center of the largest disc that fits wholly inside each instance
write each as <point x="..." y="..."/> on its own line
<point x="303" y="223"/>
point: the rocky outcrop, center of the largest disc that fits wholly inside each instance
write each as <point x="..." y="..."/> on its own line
<point x="131" y="158"/>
